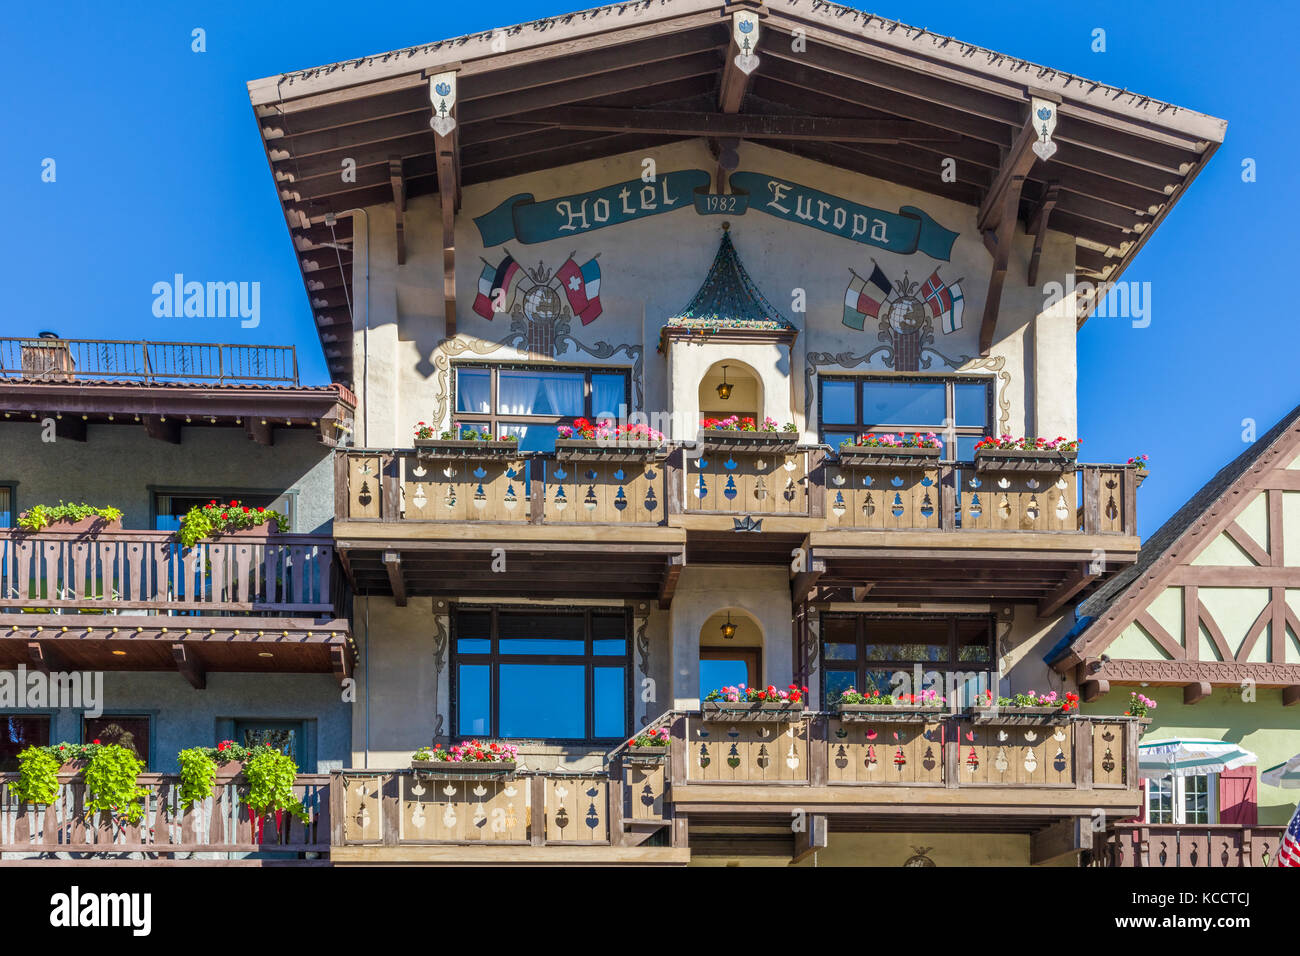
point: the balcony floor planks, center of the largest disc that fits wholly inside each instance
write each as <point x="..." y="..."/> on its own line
<point x="921" y="801"/>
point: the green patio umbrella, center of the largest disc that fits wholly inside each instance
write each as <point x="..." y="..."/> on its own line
<point x="1285" y="775"/>
<point x="1186" y="758"/>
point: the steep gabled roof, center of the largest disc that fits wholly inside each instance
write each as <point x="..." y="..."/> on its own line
<point x="528" y="98"/>
<point x="729" y="299"/>
<point x="1178" y="540"/>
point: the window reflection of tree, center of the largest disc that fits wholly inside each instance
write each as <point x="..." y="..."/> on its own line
<point x="281" y="740"/>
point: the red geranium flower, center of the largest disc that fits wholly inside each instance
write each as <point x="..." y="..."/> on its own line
<point x="95" y="741"/>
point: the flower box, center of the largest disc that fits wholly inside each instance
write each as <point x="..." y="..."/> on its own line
<point x="263" y="530"/>
<point x="92" y="525"/>
<point x="1024" y="459"/>
<point x="758" y="710"/>
<point x="1019" y="715"/>
<point x="464" y="768"/>
<point x="228" y="771"/>
<point x="467" y="448"/>
<point x="891" y="456"/>
<point x="890" y="713"/>
<point x="613" y="449"/>
<point x="733" y="439"/>
<point x="645" y="754"/>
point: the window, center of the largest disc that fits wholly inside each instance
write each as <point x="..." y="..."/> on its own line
<point x="171" y="506"/>
<point x="17" y="733"/>
<point x="728" y="666"/>
<point x="867" y="651"/>
<point x="7" y="515"/>
<point x="287" y="736"/>
<point x="131" y="732"/>
<point x="561" y="675"/>
<point x="1189" y="800"/>
<point x="529" y="402"/>
<point x="958" y="410"/>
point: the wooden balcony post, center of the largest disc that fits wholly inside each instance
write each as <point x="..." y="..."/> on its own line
<point x="674" y="466"/>
<point x="617" y="795"/>
<point x="537" y="809"/>
<point x="391" y="496"/>
<point x="676" y="770"/>
<point x="341" y="497"/>
<point x="1082" y="754"/>
<point x="817" y="483"/>
<point x="1128" y="482"/>
<point x="1091" y="500"/>
<point x="390" y="809"/>
<point x="818" y="752"/>
<point x="537" y="490"/>
<point x="947" y="498"/>
<point x="951" y="753"/>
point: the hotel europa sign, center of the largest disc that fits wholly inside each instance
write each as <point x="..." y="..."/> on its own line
<point x="523" y="218"/>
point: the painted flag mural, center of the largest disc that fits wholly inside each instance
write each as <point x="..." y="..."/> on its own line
<point x="581" y="284"/>
<point x="1288" y="854"/>
<point x="865" y="297"/>
<point x="944" y="300"/>
<point x="505" y="276"/>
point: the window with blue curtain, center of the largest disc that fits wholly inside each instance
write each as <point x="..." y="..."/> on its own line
<point x="531" y="402"/>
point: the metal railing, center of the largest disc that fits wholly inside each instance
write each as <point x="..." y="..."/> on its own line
<point x="47" y="359"/>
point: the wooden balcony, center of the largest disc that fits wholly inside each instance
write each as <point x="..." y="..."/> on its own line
<point x="1169" y="845"/>
<point x="137" y="600"/>
<point x="401" y="816"/>
<point x="912" y="530"/>
<point x="217" y="829"/>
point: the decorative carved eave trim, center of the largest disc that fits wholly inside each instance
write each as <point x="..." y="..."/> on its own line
<point x="723" y="335"/>
<point x="1183" y="673"/>
<point x="1218" y="517"/>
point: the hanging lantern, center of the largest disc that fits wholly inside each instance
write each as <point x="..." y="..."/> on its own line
<point x="724" y="390"/>
<point x="728" y="629"/>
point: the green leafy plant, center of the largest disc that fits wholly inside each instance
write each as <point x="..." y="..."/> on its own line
<point x="198" y="774"/>
<point x="215" y="518"/>
<point x="42" y="516"/>
<point x="271" y="775"/>
<point x="38" y="776"/>
<point x="111" y="783"/>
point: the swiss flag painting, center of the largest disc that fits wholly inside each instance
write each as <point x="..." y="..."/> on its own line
<point x="581" y="284"/>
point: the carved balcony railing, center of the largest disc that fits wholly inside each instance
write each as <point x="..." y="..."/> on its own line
<point x="219" y="827"/>
<point x="524" y="809"/>
<point x="950" y="751"/>
<point x="149" y="571"/>
<point x="1190" y="845"/>
<point x="650" y="487"/>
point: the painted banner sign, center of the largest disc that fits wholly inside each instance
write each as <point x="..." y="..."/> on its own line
<point x="907" y="231"/>
<point x="523" y="219"/>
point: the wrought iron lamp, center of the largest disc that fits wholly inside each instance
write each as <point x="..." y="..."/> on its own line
<point x="728" y="629"/>
<point x="724" y="390"/>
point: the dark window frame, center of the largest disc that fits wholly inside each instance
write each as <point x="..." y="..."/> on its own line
<point x="150" y="716"/>
<point x="948" y="433"/>
<point x="494" y="421"/>
<point x="12" y="488"/>
<point x="494" y="659"/>
<point x="221" y="494"/>
<point x="46" y="715"/>
<point x="860" y="665"/>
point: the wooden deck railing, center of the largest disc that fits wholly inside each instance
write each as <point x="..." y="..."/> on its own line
<point x="1168" y="845"/>
<point x="55" y="571"/>
<point x="526" y="809"/>
<point x="220" y="825"/>
<point x="793" y="481"/>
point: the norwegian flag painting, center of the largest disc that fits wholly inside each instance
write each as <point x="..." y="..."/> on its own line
<point x="1288" y="854"/>
<point x="944" y="300"/>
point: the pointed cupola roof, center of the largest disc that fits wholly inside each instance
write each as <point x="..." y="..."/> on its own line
<point x="729" y="301"/>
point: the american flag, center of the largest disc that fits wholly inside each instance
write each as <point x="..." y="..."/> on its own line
<point x="1288" y="854"/>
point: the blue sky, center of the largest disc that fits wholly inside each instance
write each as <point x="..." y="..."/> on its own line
<point x="160" y="170"/>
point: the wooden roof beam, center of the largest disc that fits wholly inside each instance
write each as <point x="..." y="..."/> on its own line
<point x="742" y="58"/>
<point x="668" y="585"/>
<point x="190" y="665"/>
<point x="443" y="93"/>
<point x="1080" y="578"/>
<point x="1038" y="229"/>
<point x="341" y="662"/>
<point x="997" y="214"/>
<point x="1196" y="692"/>
<point x="396" y="579"/>
<point x="398" y="182"/>
<point x="44" y="658"/>
<point x="163" y="429"/>
<point x="802" y="582"/>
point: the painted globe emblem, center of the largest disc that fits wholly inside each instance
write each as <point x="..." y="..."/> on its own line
<point x="906" y="314"/>
<point x="542" y="303"/>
